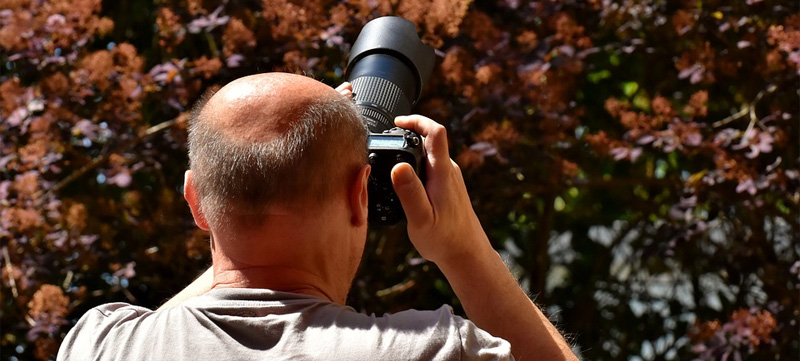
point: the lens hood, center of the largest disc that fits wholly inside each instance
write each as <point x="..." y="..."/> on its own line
<point x="396" y="37"/>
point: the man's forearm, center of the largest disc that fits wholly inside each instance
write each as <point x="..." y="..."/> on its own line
<point x="445" y="230"/>
<point x="494" y="302"/>
<point x="198" y="287"/>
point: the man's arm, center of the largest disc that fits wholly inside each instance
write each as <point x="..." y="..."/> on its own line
<point x="445" y="230"/>
<point x="198" y="287"/>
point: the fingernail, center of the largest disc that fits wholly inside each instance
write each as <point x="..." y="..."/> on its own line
<point x="404" y="174"/>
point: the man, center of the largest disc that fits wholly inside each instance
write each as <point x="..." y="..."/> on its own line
<point x="279" y="178"/>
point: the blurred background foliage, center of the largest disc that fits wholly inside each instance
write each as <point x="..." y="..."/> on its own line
<point x="635" y="162"/>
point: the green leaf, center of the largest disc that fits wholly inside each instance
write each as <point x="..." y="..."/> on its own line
<point x="642" y="101"/>
<point x="661" y="169"/>
<point x="559" y="204"/>
<point x="597" y="76"/>
<point x="613" y="59"/>
<point x="630" y="88"/>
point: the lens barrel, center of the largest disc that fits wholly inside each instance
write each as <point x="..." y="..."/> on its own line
<point x="388" y="67"/>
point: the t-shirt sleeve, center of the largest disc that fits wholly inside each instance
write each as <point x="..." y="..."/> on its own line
<point x="477" y="344"/>
<point x="88" y="335"/>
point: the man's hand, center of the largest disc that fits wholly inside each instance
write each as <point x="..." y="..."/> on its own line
<point x="445" y="230"/>
<point x="441" y="223"/>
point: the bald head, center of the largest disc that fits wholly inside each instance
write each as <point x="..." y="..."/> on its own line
<point x="272" y="140"/>
<point x="264" y="106"/>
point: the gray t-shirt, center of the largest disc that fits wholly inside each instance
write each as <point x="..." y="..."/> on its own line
<point x="258" y="324"/>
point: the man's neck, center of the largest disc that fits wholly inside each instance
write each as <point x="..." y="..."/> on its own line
<point x="299" y="254"/>
<point x="275" y="278"/>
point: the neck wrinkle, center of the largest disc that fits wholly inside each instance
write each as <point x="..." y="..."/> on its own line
<point x="276" y="278"/>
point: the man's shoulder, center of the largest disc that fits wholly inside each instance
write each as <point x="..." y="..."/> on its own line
<point x="419" y="335"/>
<point x="442" y="317"/>
<point x="118" y="309"/>
<point x="97" y="324"/>
<point x="291" y="325"/>
<point x="115" y="313"/>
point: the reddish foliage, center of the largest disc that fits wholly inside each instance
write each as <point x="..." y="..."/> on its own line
<point x="742" y="333"/>
<point x="683" y="115"/>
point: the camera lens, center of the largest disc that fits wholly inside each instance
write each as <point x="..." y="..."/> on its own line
<point x="384" y="88"/>
<point x="388" y="67"/>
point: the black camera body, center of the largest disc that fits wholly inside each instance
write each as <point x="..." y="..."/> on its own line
<point x="388" y="68"/>
<point x="396" y="145"/>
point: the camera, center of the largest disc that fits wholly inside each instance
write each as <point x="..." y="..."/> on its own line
<point x="388" y="68"/>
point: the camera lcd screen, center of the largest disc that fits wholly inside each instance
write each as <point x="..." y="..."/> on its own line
<point x="386" y="142"/>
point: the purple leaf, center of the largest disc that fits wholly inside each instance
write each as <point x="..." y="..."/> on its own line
<point x="765" y="141"/>
<point x="174" y="103"/>
<point x="485" y="148"/>
<point x="689" y="201"/>
<point x="17" y="116"/>
<point x="87" y="128"/>
<point x="135" y="93"/>
<point x="774" y="165"/>
<point x="128" y="271"/>
<point x="697" y="76"/>
<point x="635" y="153"/>
<point x="208" y="23"/>
<point x="693" y="139"/>
<point x="685" y="73"/>
<point x="234" y="61"/>
<point x="646" y="139"/>
<point x="167" y="72"/>
<point x="619" y="153"/>
<point x="795" y="269"/>
<point x="4" y="160"/>
<point x="87" y="240"/>
<point x="58" y="60"/>
<point x="746" y="186"/>
<point x="700" y="226"/>
<point x="677" y="212"/>
<point x="566" y="50"/>
<point x="59" y="238"/>
<point x="121" y="179"/>
<point x="4" y="186"/>
<point x="56" y="20"/>
<point x="794" y="57"/>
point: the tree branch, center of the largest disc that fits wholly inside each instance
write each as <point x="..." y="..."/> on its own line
<point x="10" y="273"/>
<point x="623" y="182"/>
<point x="97" y="161"/>
<point x="749" y="109"/>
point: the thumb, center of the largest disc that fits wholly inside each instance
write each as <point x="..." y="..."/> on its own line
<point x="412" y="194"/>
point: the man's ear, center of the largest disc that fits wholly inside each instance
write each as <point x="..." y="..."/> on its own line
<point x="194" y="204"/>
<point x="358" y="196"/>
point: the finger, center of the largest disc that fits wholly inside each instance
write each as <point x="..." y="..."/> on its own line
<point x="434" y="133"/>
<point x="420" y="124"/>
<point x="412" y="195"/>
<point x="345" y="89"/>
<point x="344" y="86"/>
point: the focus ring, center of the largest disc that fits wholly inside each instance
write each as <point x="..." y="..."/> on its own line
<point x="376" y="95"/>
